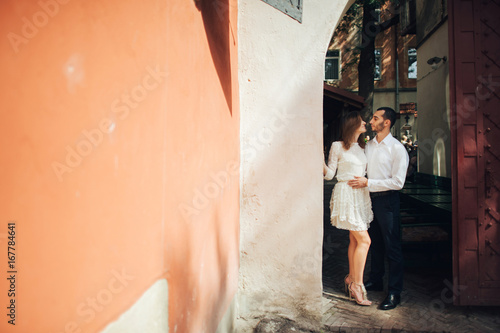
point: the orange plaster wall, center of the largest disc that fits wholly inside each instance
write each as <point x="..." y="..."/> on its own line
<point x="202" y="163"/>
<point x="113" y="114"/>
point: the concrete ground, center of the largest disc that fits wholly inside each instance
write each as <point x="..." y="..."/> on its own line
<point x="426" y="302"/>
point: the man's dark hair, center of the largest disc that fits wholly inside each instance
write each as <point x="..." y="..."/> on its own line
<point x="389" y="114"/>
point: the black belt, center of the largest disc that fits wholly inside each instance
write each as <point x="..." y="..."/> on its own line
<point x="381" y="194"/>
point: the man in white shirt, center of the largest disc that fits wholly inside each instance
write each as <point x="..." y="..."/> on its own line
<point x="386" y="171"/>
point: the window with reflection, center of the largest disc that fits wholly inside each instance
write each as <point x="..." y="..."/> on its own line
<point x="332" y="65"/>
<point x="377" y="75"/>
<point x="412" y="63"/>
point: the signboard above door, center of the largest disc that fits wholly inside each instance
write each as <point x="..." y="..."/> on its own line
<point x="292" y="8"/>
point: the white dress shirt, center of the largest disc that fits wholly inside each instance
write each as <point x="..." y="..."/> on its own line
<point x="387" y="164"/>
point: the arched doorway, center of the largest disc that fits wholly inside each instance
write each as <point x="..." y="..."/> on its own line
<point x="458" y="148"/>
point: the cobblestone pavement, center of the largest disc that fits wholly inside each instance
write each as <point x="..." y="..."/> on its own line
<point x="426" y="302"/>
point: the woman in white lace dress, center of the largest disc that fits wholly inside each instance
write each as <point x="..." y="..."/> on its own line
<point x="350" y="208"/>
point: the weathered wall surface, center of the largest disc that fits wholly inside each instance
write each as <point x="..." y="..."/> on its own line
<point x="119" y="160"/>
<point x="281" y="87"/>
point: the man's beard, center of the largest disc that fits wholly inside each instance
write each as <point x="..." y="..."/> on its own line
<point x="377" y="128"/>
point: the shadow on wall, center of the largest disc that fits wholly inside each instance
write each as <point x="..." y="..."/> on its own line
<point x="215" y="14"/>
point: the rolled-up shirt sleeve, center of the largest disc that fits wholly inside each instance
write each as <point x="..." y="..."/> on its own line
<point x="399" y="168"/>
<point x="331" y="167"/>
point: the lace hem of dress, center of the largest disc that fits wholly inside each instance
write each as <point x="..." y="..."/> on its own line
<point x="359" y="223"/>
<point x="350" y="208"/>
<point x="344" y="225"/>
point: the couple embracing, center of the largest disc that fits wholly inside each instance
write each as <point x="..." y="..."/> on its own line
<point x="369" y="206"/>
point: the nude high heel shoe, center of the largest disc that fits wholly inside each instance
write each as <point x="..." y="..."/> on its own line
<point x="347" y="282"/>
<point x="359" y="295"/>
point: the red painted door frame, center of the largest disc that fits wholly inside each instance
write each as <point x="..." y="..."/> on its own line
<point x="475" y="119"/>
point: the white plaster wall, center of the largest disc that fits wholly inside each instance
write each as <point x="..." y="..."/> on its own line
<point x="149" y="314"/>
<point x="434" y="145"/>
<point x="281" y="70"/>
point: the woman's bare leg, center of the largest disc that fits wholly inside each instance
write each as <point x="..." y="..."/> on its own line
<point x="350" y="255"/>
<point x="359" y="255"/>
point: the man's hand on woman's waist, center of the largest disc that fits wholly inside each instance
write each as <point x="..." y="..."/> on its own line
<point x="358" y="182"/>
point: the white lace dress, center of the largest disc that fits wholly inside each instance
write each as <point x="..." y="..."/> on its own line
<point x="350" y="209"/>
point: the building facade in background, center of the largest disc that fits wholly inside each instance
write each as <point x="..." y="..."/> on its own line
<point x="395" y="63"/>
<point x="433" y="87"/>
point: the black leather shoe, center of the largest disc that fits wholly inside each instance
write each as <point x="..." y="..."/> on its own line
<point x="371" y="286"/>
<point x="390" y="302"/>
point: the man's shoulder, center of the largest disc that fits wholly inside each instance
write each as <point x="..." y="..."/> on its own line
<point x="398" y="145"/>
<point x="399" y="149"/>
<point x="395" y="143"/>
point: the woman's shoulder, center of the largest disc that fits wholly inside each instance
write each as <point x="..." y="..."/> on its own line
<point x="336" y="148"/>
<point x="338" y="145"/>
